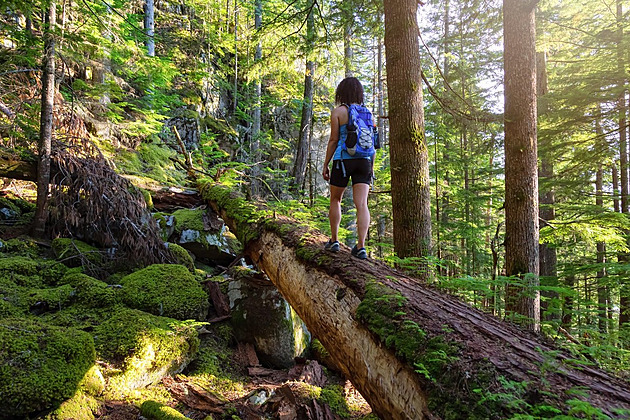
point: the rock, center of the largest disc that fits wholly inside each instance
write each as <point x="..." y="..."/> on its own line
<point x="182" y="256"/>
<point x="142" y="349"/>
<point x="165" y="290"/>
<point x="261" y="316"/>
<point x="166" y="223"/>
<point x="198" y="231"/>
<point x="40" y="365"/>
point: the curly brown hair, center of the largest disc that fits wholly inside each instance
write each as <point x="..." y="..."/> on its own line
<point x="349" y="91"/>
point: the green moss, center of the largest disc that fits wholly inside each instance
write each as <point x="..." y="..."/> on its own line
<point x="13" y="210"/>
<point x="143" y="348"/>
<point x="189" y="219"/>
<point x="80" y="406"/>
<point x="90" y="291"/>
<point x="24" y="247"/>
<point x="246" y="216"/>
<point x="40" y="364"/>
<point x="30" y="272"/>
<point x="73" y="252"/>
<point x="182" y="256"/>
<point x="148" y="199"/>
<point x="333" y="396"/>
<point x="156" y="411"/>
<point x="54" y="298"/>
<point x="165" y="289"/>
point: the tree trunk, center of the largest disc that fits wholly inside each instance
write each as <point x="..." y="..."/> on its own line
<point x="384" y="330"/>
<point x="548" y="257"/>
<point x="602" y="288"/>
<point x="521" y="182"/>
<point x="624" y="292"/>
<point x="409" y="155"/>
<point x="46" y="121"/>
<point x="256" y="187"/>
<point x="149" y="27"/>
<point x="301" y="153"/>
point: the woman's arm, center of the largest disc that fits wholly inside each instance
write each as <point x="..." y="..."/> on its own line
<point x="332" y="141"/>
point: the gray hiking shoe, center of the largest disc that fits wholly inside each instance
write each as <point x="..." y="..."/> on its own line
<point x="332" y="246"/>
<point x="360" y="253"/>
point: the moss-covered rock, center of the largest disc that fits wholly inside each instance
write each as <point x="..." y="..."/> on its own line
<point x="8" y="210"/>
<point x="143" y="348"/>
<point x="166" y="223"/>
<point x="81" y="406"/>
<point x="182" y="256"/>
<point x="50" y="299"/>
<point x="30" y="272"/>
<point x="40" y="365"/>
<point x="73" y="252"/>
<point x="24" y="247"/>
<point x="166" y="290"/>
<point x="219" y="246"/>
<point x="261" y="316"/>
<point x="156" y="411"/>
<point x="90" y="291"/>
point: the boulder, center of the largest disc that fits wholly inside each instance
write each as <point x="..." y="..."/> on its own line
<point x="142" y="349"/>
<point x="261" y="316"/>
<point x="202" y="233"/>
<point x="40" y="365"/>
<point x="166" y="290"/>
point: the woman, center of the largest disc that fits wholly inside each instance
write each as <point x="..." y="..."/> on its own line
<point x="349" y="91"/>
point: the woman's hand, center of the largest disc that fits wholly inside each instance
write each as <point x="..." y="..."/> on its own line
<point x="326" y="173"/>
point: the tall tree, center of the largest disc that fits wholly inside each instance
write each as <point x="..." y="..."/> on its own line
<point x="521" y="181"/>
<point x="302" y="150"/>
<point x="46" y="120"/>
<point x="149" y="27"/>
<point x="256" y="184"/>
<point x="408" y="147"/>
<point x="548" y="256"/>
<point x="624" y="298"/>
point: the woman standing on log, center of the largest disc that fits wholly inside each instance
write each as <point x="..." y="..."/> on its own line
<point x="345" y="166"/>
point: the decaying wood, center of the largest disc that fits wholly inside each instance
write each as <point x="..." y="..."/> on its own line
<point x="325" y="290"/>
<point x="192" y="395"/>
<point x="219" y="300"/>
<point x="16" y="167"/>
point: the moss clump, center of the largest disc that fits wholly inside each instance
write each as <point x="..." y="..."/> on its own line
<point x="24" y="247"/>
<point x="188" y="219"/>
<point x="40" y="364"/>
<point x="182" y="256"/>
<point x="143" y="347"/>
<point x="156" y="411"/>
<point x="8" y="210"/>
<point x="30" y="272"/>
<point x="51" y="299"/>
<point x="333" y="396"/>
<point x="165" y="290"/>
<point x="90" y="291"/>
<point x="73" y="252"/>
<point x="80" y="406"/>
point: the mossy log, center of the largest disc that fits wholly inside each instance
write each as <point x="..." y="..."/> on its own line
<point x="412" y="351"/>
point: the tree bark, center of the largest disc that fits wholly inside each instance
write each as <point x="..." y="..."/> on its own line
<point x="46" y="121"/>
<point x="521" y="181"/>
<point x="149" y="27"/>
<point x="301" y="153"/>
<point x="256" y="187"/>
<point x="624" y="293"/>
<point x="408" y="148"/>
<point x="548" y="256"/>
<point x="327" y="290"/>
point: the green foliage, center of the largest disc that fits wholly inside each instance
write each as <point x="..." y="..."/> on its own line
<point x="40" y="364"/>
<point x="165" y="289"/>
<point x="73" y="252"/>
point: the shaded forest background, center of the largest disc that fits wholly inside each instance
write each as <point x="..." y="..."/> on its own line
<point x="241" y="91"/>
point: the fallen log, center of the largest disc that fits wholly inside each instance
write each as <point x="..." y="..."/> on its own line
<point x="412" y="351"/>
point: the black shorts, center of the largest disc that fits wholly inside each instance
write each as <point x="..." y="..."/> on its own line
<point x="360" y="170"/>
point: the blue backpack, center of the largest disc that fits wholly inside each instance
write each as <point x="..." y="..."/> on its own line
<point x="362" y="138"/>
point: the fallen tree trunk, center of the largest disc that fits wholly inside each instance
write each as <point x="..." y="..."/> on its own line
<point x="414" y="352"/>
<point x="18" y="167"/>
